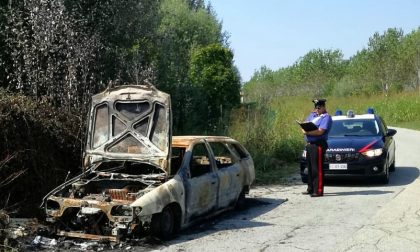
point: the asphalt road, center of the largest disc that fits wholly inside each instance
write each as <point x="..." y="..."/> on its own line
<point x="352" y="215"/>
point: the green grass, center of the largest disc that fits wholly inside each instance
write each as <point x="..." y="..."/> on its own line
<point x="415" y="125"/>
<point x="276" y="176"/>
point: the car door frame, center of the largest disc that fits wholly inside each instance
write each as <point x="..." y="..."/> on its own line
<point x="201" y="192"/>
<point x="389" y="142"/>
<point x="230" y="177"/>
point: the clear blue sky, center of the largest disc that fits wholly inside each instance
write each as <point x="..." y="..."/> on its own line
<point x="276" y="33"/>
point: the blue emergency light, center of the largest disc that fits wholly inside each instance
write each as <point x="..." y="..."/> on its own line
<point x="338" y="112"/>
<point x="370" y="111"/>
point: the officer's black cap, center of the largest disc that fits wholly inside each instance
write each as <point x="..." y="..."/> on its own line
<point x="319" y="102"/>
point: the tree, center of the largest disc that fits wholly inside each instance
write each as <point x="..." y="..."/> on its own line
<point x="318" y="68"/>
<point x="385" y="57"/>
<point x="359" y="78"/>
<point x="182" y="29"/>
<point x="127" y="30"/>
<point x="47" y="55"/>
<point x="213" y="72"/>
<point x="4" y="58"/>
<point x="316" y="73"/>
<point x="196" y="4"/>
<point x="411" y="59"/>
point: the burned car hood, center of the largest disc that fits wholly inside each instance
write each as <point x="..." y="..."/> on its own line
<point x="353" y="143"/>
<point x="129" y="123"/>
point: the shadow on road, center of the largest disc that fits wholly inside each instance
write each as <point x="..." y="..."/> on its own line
<point x="404" y="176"/>
<point x="235" y="219"/>
<point x="364" y="192"/>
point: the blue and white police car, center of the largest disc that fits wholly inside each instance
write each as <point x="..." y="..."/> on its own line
<point x="358" y="146"/>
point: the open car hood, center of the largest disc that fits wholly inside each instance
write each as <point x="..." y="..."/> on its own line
<point x="129" y="123"/>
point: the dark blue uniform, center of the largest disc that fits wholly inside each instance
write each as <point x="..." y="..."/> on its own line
<point x="315" y="152"/>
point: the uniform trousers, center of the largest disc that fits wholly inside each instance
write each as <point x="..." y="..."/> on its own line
<point x="315" y="155"/>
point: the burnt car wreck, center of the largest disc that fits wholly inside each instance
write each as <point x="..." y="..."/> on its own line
<point x="135" y="182"/>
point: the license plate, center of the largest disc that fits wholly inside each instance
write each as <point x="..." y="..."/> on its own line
<point x="338" y="166"/>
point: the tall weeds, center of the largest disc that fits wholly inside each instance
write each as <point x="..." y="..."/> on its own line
<point x="269" y="131"/>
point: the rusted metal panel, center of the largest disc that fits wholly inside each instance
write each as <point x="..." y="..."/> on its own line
<point x="129" y="123"/>
<point x="88" y="236"/>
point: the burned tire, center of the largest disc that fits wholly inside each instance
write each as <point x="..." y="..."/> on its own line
<point x="163" y="224"/>
<point x="240" y="202"/>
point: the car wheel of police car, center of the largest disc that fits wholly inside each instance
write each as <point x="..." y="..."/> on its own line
<point x="392" y="167"/>
<point x="385" y="178"/>
<point x="304" y="174"/>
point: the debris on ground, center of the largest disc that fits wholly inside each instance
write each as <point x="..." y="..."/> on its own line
<point x="4" y="219"/>
<point x="28" y="234"/>
<point x="40" y="241"/>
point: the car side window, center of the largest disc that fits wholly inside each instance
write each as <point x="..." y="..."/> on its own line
<point x="238" y="150"/>
<point x="222" y="155"/>
<point x="200" y="162"/>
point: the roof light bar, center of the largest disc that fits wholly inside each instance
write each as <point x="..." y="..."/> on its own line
<point x="370" y="111"/>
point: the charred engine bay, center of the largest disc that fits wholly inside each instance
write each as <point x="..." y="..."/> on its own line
<point x="114" y="181"/>
<point x="91" y="202"/>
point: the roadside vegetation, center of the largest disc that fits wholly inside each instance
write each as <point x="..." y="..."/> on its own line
<point x="55" y="54"/>
<point x="385" y="75"/>
<point x="273" y="137"/>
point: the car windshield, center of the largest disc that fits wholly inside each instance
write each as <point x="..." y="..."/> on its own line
<point x="354" y="127"/>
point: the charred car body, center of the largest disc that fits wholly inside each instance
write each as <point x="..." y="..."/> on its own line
<point x="358" y="146"/>
<point x="132" y="184"/>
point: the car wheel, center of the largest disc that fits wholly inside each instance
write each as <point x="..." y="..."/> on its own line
<point x="385" y="178"/>
<point x="240" y="202"/>
<point x="304" y="175"/>
<point x="163" y="224"/>
<point x="304" y="179"/>
<point x="392" y="167"/>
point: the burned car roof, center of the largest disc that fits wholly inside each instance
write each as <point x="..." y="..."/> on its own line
<point x="187" y="140"/>
<point x="129" y="123"/>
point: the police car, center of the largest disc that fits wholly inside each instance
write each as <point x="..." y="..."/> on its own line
<point x="358" y="146"/>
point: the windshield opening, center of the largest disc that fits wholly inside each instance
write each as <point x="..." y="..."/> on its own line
<point x="354" y="127"/>
<point x="130" y="168"/>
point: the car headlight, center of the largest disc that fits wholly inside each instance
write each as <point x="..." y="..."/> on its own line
<point x="373" y="153"/>
<point x="137" y="211"/>
<point x="122" y="210"/>
<point x="304" y="154"/>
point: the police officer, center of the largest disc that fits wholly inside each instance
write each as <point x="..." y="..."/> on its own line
<point x="316" y="146"/>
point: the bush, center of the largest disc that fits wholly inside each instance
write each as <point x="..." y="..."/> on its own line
<point x="39" y="146"/>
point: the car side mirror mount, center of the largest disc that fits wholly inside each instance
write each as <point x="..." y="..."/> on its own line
<point x="391" y="132"/>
